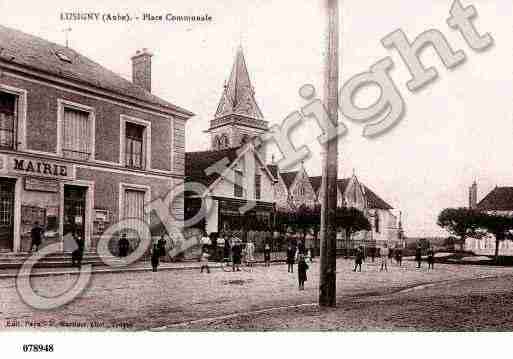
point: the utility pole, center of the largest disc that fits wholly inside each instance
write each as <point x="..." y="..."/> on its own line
<point x="327" y="287"/>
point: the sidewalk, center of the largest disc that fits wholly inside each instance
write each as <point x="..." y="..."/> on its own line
<point x="141" y="266"/>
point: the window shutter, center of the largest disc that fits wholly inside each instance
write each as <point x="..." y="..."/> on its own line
<point x="77" y="134"/>
<point x="134" y="207"/>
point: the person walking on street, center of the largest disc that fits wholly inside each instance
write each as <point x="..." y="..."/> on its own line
<point x="399" y="256"/>
<point x="418" y="256"/>
<point x="155" y="257"/>
<point x="204" y="261"/>
<point x="358" y="259"/>
<point x="36" y="234"/>
<point x="267" y="255"/>
<point x="302" y="267"/>
<point x="236" y="255"/>
<point x="291" y="253"/>
<point x="431" y="258"/>
<point x="384" y="252"/>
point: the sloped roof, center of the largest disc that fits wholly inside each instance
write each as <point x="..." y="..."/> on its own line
<point x="342" y="184"/>
<point x="238" y="95"/>
<point x="197" y="162"/>
<point x="499" y="199"/>
<point x="374" y="201"/>
<point x="288" y="178"/>
<point x="36" y="53"/>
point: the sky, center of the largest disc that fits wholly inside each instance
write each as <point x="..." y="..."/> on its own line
<point x="455" y="130"/>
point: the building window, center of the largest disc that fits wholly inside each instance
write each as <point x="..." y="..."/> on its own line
<point x="77" y="134"/>
<point x="376" y="222"/>
<point x="134" y="143"/>
<point x="134" y="207"/>
<point x="8" y="116"/>
<point x="258" y="186"/>
<point x="238" y="191"/>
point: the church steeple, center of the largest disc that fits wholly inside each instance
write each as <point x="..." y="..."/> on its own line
<point x="238" y="117"/>
<point x="238" y="95"/>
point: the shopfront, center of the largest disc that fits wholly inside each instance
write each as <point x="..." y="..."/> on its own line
<point x="40" y="190"/>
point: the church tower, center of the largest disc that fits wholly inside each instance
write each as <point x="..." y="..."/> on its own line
<point x="238" y="118"/>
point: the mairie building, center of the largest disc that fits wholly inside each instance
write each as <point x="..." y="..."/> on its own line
<point x="80" y="147"/>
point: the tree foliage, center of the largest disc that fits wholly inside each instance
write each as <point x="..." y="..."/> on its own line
<point x="352" y="220"/>
<point x="461" y="222"/>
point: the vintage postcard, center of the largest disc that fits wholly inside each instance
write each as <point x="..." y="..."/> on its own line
<point x="283" y="166"/>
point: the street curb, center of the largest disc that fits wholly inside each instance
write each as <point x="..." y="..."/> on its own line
<point x="120" y="270"/>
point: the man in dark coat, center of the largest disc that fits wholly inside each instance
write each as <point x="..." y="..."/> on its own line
<point x="302" y="267"/>
<point x="399" y="256"/>
<point x="78" y="253"/>
<point x="431" y="258"/>
<point x="162" y="246"/>
<point x="155" y="256"/>
<point x="358" y="259"/>
<point x="36" y="234"/>
<point x="291" y="254"/>
<point x="236" y="255"/>
<point x="123" y="245"/>
<point x="418" y="256"/>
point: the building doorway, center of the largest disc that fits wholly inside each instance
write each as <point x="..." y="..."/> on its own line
<point x="7" y="214"/>
<point x="74" y="211"/>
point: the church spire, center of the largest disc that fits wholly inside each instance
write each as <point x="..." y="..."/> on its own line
<point x="238" y="96"/>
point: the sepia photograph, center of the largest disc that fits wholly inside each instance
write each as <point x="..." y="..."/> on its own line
<point x="170" y="169"/>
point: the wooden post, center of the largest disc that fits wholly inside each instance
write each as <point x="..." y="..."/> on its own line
<point x="328" y="266"/>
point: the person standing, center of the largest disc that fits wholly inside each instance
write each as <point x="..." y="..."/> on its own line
<point x="399" y="256"/>
<point x="236" y="255"/>
<point x="162" y="246"/>
<point x="250" y="254"/>
<point x="204" y="261"/>
<point x="431" y="258"/>
<point x="267" y="255"/>
<point x="226" y="248"/>
<point x="123" y="245"/>
<point x="36" y="235"/>
<point x="302" y="267"/>
<point x="155" y="257"/>
<point x="418" y="256"/>
<point x="291" y="253"/>
<point x="384" y="252"/>
<point x="358" y="259"/>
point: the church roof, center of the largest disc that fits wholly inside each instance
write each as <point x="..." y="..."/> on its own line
<point x="499" y="199"/>
<point x="33" y="52"/>
<point x="238" y="95"/>
<point x="373" y="200"/>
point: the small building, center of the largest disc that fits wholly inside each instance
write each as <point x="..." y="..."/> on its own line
<point x="499" y="201"/>
<point x="80" y="147"/>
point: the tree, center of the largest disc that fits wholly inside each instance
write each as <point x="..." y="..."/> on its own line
<point x="461" y="222"/>
<point x="352" y="220"/>
<point x="499" y="226"/>
<point x="306" y="218"/>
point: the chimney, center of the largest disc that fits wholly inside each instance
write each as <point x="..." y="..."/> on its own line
<point x="141" y="69"/>
<point x="472" y="196"/>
